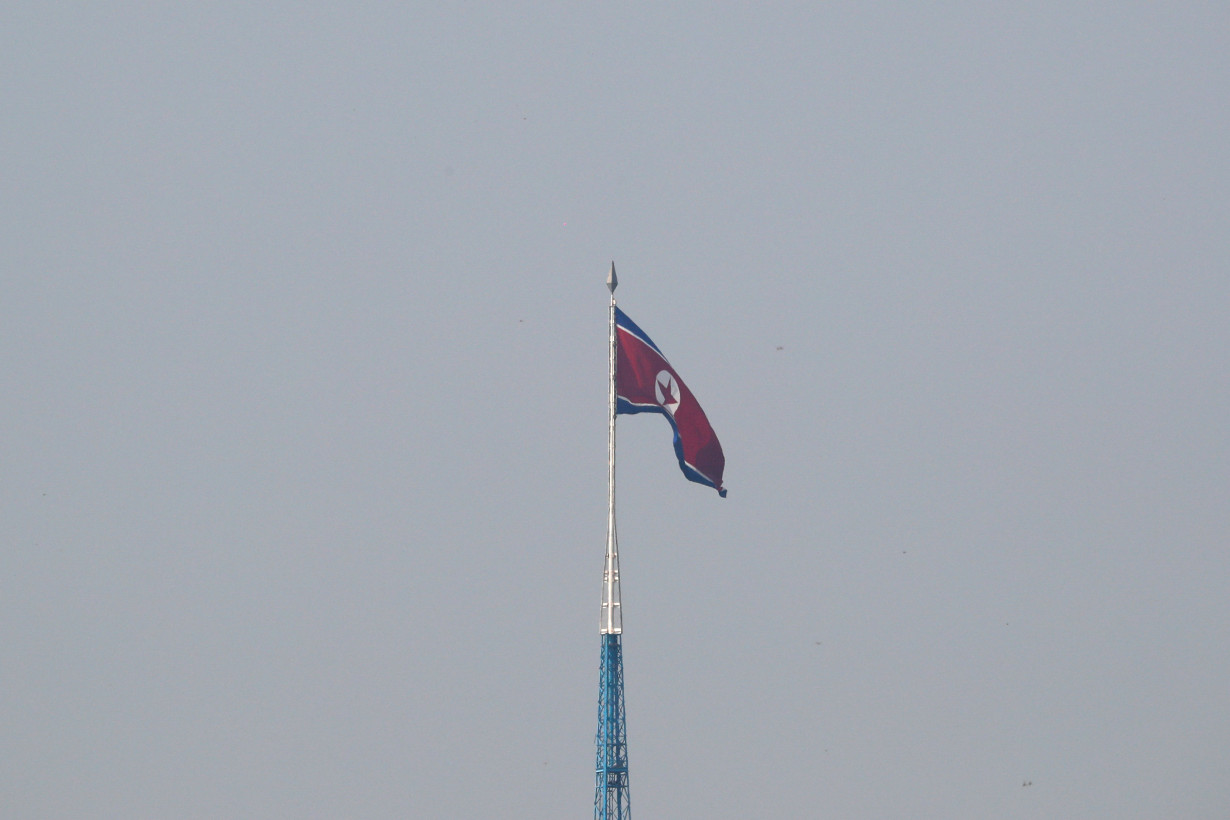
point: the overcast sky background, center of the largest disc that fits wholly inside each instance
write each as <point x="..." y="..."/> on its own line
<point x="303" y="364"/>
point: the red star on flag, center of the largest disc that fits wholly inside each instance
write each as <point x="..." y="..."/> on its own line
<point x="668" y="394"/>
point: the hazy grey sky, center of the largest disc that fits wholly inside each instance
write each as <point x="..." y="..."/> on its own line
<point x="302" y="352"/>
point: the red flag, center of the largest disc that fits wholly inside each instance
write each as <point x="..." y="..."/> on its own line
<point x="645" y="382"/>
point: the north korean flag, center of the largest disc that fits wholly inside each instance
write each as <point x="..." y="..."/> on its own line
<point x="645" y="382"/>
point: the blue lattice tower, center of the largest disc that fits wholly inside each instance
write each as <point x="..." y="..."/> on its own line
<point x="612" y="800"/>
<point x="611" y="795"/>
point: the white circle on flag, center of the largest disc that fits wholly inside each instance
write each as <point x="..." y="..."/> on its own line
<point x="666" y="391"/>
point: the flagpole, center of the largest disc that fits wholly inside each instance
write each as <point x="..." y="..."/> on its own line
<point x="611" y="794"/>
<point x="612" y="613"/>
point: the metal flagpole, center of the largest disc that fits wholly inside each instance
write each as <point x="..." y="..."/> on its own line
<point x="612" y="616"/>
<point x="611" y="796"/>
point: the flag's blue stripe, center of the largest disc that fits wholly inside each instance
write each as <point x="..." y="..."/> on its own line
<point x="627" y="408"/>
<point x="622" y="320"/>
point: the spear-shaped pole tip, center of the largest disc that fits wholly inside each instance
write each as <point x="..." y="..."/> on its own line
<point x="611" y="280"/>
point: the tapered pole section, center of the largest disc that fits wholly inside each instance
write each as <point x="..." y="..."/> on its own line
<point x="611" y="796"/>
<point x="612" y="614"/>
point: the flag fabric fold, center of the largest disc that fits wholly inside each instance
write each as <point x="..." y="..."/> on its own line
<point x="645" y="382"/>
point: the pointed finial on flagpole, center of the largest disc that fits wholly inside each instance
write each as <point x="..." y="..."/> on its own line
<point x="611" y="280"/>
